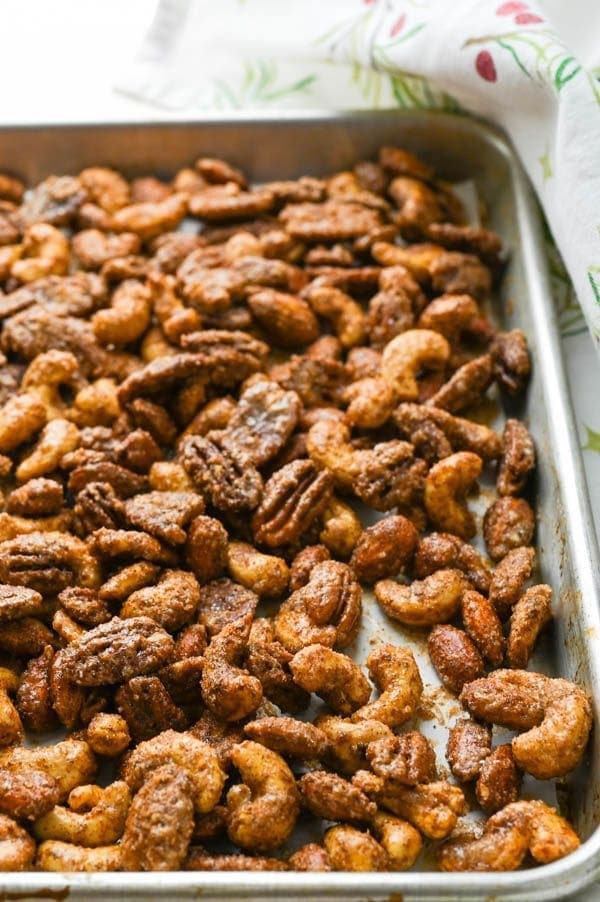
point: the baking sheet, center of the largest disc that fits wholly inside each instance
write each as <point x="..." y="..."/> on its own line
<point x="459" y="149"/>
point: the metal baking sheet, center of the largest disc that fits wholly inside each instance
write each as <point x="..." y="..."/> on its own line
<point x="461" y="150"/>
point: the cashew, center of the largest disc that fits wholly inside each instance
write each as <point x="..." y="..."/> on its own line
<point x="435" y="599"/>
<point x="108" y="734"/>
<point x="265" y="574"/>
<point x="395" y="673"/>
<point x="93" y="818"/>
<point x="433" y="808"/>
<point x="45" y="252"/>
<point x="352" y="850"/>
<point x="228" y="691"/>
<point x="400" y="840"/>
<point x="346" y="315"/>
<point x="341" y="528"/>
<point x="449" y="315"/>
<point x="128" y="316"/>
<point x="64" y="857"/>
<point x="58" y="438"/>
<point x="409" y="353"/>
<point x="371" y="402"/>
<point x="333" y="676"/>
<point x="70" y="762"/>
<point x="96" y="404"/>
<point x="445" y="486"/>
<point x="555" y="714"/>
<point x="507" y="836"/>
<point x="17" y="848"/>
<point x="349" y="741"/>
<point x="20" y="419"/>
<point x="44" y="377"/>
<point x="185" y="751"/>
<point x="328" y="444"/>
<point x="11" y="728"/>
<point x="262" y="810"/>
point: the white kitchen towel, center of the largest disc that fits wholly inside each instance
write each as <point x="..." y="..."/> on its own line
<point x="531" y="67"/>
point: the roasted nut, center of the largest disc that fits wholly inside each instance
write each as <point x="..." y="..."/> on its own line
<point x="509" y="578"/>
<point x="94" y="816"/>
<point x="467" y="385"/>
<point x="332" y="676"/>
<point x="395" y="673"/>
<point x="310" y="857"/>
<point x="469" y="744"/>
<point x="433" y="808"/>
<point x="48" y="562"/>
<point x="27" y="793"/>
<point x="286" y="318"/>
<point x="227" y="690"/>
<point x="69" y="763"/>
<point x="454" y="656"/>
<point x="116" y="651"/>
<point x="303" y="564"/>
<point x="171" y="603"/>
<point x="499" y="780"/>
<point x="401" y="840"/>
<point x="293" y="498"/>
<point x="264" y="574"/>
<point x="407" y="355"/>
<point x="332" y="798"/>
<point x="554" y="713"/>
<point x="518" y="458"/>
<point x="344" y="313"/>
<point x="227" y="483"/>
<point x="54" y="855"/>
<point x="19" y="601"/>
<point x="432" y="600"/>
<point x="268" y="660"/>
<point x="289" y="737"/>
<point x="199" y="860"/>
<point x="341" y="528"/>
<point x="44" y="252"/>
<point x="483" y="626"/>
<point x="224" y="602"/>
<point x="529" y="616"/>
<point x="160" y="821"/>
<point x="506" y="838"/>
<point x="371" y="402"/>
<point x="262" y="810"/>
<point x="33" y="699"/>
<point x="108" y="735"/>
<point x="384" y="549"/>
<point x="439" y="551"/>
<point x="511" y="361"/>
<point x="408" y="759"/>
<point x="445" y="487"/>
<point x="349" y="741"/>
<point x="261" y="422"/>
<point x="350" y="849"/>
<point x="184" y="751"/>
<point x="463" y="435"/>
<point x="206" y="548"/>
<point x="508" y="523"/>
<point x="17" y="848"/>
<point x="37" y="498"/>
<point x="325" y="611"/>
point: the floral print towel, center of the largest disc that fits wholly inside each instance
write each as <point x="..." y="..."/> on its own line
<point x="532" y="67"/>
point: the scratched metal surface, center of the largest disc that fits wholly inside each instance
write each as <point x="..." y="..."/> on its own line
<point x="462" y="150"/>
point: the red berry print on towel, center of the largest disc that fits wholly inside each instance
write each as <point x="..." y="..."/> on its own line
<point x="509" y="9"/>
<point x="398" y="26"/>
<point x="484" y="63"/>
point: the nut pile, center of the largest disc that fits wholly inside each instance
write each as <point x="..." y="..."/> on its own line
<point x="190" y="424"/>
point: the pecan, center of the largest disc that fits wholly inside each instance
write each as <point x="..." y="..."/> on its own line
<point x="465" y="387"/>
<point x="116" y="543"/>
<point x="408" y="759"/>
<point x="469" y="744"/>
<point x="268" y="660"/>
<point x="227" y="482"/>
<point x="390" y="476"/>
<point x="261" y="423"/>
<point x="117" y="651"/>
<point x="440" y="550"/>
<point x="148" y="708"/>
<point x="55" y="200"/>
<point x="37" y="498"/>
<point x="47" y="562"/>
<point x="19" y="601"/>
<point x="293" y="498"/>
<point x="318" y="381"/>
<point x="223" y="602"/>
<point x="84" y="606"/>
<point x="220" y="203"/>
<point x="518" y="458"/>
<point x="164" y="514"/>
<point x="34" y="701"/>
<point x="512" y="366"/>
<point x="330" y="221"/>
<point x="97" y="505"/>
<point x="122" y="481"/>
